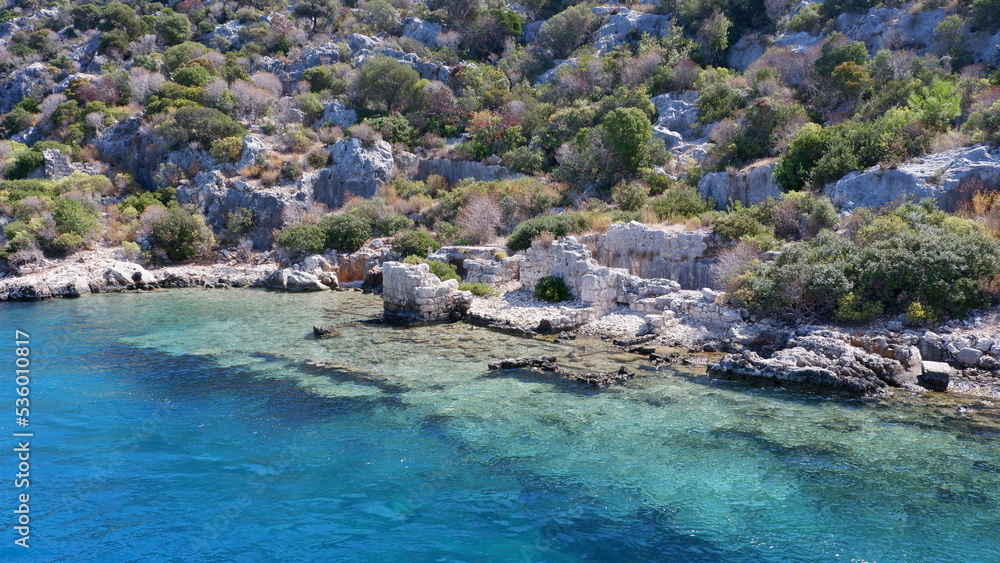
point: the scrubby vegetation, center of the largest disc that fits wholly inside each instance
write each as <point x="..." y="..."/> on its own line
<point x="552" y="289"/>
<point x="478" y="80"/>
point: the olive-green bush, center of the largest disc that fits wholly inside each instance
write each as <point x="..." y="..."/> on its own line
<point x="182" y="235"/>
<point x="346" y="232"/>
<point x="552" y="289"/>
<point x="417" y="243"/>
<point x="559" y="225"/>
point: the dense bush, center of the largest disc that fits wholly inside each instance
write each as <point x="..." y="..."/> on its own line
<point x="75" y="218"/>
<point x="552" y="289"/>
<point x="680" y="201"/>
<point x="201" y="124"/>
<point x="819" y="155"/>
<point x="559" y="225"/>
<point x="182" y="235"/>
<point x="346" y="232"/>
<point x="937" y="261"/>
<point x="415" y="243"/>
<point x="302" y="238"/>
<point x="443" y="270"/>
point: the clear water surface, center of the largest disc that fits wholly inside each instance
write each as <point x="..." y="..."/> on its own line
<point x="194" y="425"/>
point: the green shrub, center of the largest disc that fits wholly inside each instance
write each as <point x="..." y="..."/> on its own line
<point x="443" y="270"/>
<point x="73" y="217"/>
<point x="552" y="289"/>
<point x="196" y="123"/>
<point x="938" y="261"/>
<point x="17" y="120"/>
<point x="558" y="225"/>
<point x="227" y="149"/>
<point x="182" y="235"/>
<point x="630" y="196"/>
<point x="569" y="29"/>
<point x="194" y="75"/>
<point x="24" y="163"/>
<point x="418" y="243"/>
<point x="302" y="238"/>
<point x="983" y="14"/>
<point x="346" y="232"/>
<point x="851" y="308"/>
<point x="391" y="223"/>
<point x="738" y="225"/>
<point x="479" y="289"/>
<point x="680" y="201"/>
<point x="241" y="221"/>
<point x="318" y="158"/>
<point x="65" y="244"/>
<point x="916" y="313"/>
<point x="394" y="129"/>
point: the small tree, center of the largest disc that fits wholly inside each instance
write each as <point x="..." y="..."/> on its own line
<point x="480" y="218"/>
<point x="386" y="85"/>
<point x="317" y="11"/>
<point x="414" y="243"/>
<point x="182" y="235"/>
<point x="628" y="133"/>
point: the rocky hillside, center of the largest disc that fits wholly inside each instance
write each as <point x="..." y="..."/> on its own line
<point x="172" y="131"/>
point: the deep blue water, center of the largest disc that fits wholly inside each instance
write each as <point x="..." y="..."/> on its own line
<point x="196" y="425"/>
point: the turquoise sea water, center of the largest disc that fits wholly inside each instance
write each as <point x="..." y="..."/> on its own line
<point x="196" y="425"/>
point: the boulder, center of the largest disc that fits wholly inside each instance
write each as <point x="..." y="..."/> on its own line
<point x="124" y="275"/>
<point x="325" y="331"/>
<point x="936" y="175"/>
<point x="423" y="32"/>
<point x="325" y="54"/>
<point x="751" y="185"/>
<point x="226" y="36"/>
<point x="295" y="280"/>
<point x="935" y="375"/>
<point x="540" y="363"/>
<point x="558" y="66"/>
<point x="337" y="114"/>
<point x="968" y="356"/>
<point x="356" y="170"/>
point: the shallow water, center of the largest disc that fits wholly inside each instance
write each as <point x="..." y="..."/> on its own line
<point x="194" y="425"/>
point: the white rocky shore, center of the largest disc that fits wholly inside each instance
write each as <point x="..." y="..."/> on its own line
<point x="652" y="317"/>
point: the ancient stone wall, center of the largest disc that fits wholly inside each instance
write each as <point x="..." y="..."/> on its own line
<point x="412" y="293"/>
<point x="595" y="285"/>
<point x="493" y="272"/>
<point x="651" y="253"/>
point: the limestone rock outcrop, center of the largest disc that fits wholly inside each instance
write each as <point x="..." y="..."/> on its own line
<point x="823" y="361"/>
<point x="936" y="175"/>
<point x="337" y="114"/>
<point x="752" y="185"/>
<point x="421" y="31"/>
<point x="356" y="170"/>
<point x="677" y="118"/>
<point x="455" y="170"/>
<point x="620" y="24"/>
